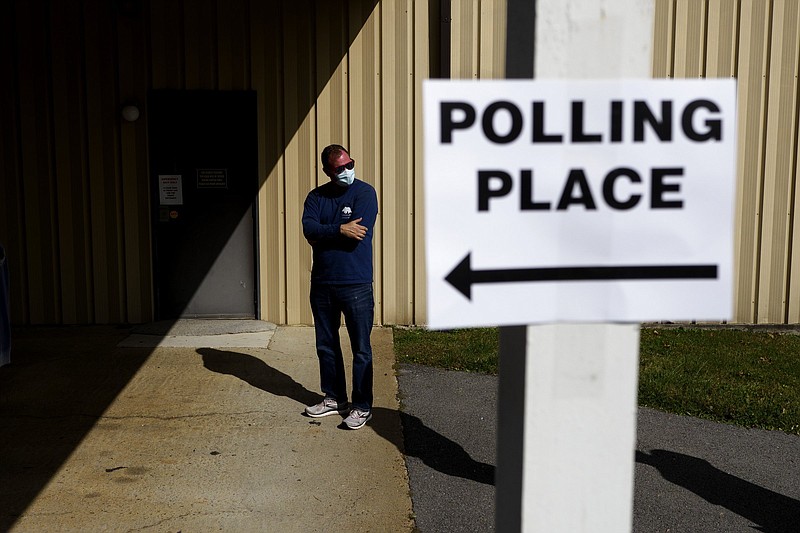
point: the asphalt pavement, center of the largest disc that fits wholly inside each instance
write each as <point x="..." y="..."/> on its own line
<point x="691" y="475"/>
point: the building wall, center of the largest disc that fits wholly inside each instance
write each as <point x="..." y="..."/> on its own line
<point x="75" y="216"/>
<point x="757" y="42"/>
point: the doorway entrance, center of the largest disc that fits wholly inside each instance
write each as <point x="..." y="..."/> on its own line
<point x="204" y="178"/>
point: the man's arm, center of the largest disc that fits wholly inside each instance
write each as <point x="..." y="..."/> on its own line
<point x="313" y="229"/>
<point x="366" y="209"/>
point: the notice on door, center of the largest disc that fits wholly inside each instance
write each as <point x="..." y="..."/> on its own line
<point x="212" y="178"/>
<point x="170" y="190"/>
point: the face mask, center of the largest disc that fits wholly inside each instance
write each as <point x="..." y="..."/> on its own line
<point x="345" y="177"/>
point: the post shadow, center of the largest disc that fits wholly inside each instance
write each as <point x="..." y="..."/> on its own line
<point x="771" y="511"/>
<point x="417" y="439"/>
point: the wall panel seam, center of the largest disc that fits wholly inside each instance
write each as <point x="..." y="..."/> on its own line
<point x="737" y="40"/>
<point x="674" y="30"/>
<point x="381" y="312"/>
<point x="793" y="187"/>
<point x="704" y="54"/>
<point x="762" y="177"/>
<point x="282" y="189"/>
<point x="20" y="176"/>
<point x="58" y="289"/>
<point x="121" y="217"/>
<point x="86" y="181"/>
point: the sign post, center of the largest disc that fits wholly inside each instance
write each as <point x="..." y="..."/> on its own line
<point x="579" y="208"/>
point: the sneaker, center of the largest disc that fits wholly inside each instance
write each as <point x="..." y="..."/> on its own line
<point x="357" y="418"/>
<point x="328" y="406"/>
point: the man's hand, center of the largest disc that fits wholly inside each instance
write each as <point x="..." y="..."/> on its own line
<point x="353" y="230"/>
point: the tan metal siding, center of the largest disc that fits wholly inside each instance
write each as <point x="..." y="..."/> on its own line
<point x="76" y="183"/>
<point x="690" y="38"/>
<point x="200" y="43"/>
<point x="423" y="26"/>
<point x="300" y="154"/>
<point x="663" y="38"/>
<point x="396" y="190"/>
<point x="465" y="28"/>
<point x="104" y="179"/>
<point x="753" y="66"/>
<point x="794" y="274"/>
<point x="780" y="168"/>
<point x="133" y="83"/>
<point x="38" y="186"/>
<point x="493" y="39"/>
<point x="70" y="165"/>
<point x="757" y="41"/>
<point x="11" y="185"/>
<point x="233" y="46"/>
<point x="267" y="54"/>
<point x="722" y="47"/>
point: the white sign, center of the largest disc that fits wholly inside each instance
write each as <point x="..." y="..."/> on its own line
<point x="170" y="190"/>
<point x="579" y="201"/>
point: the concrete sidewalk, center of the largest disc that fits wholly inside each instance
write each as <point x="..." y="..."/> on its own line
<point x="96" y="436"/>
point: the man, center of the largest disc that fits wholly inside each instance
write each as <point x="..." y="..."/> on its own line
<point x="338" y="220"/>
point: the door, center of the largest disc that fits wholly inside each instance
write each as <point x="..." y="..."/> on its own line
<point x="204" y="168"/>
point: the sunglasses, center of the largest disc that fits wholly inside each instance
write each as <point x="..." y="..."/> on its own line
<point x="349" y="166"/>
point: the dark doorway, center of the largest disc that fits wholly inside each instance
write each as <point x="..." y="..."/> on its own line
<point x="204" y="171"/>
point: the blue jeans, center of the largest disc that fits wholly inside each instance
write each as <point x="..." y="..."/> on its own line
<point x="328" y="303"/>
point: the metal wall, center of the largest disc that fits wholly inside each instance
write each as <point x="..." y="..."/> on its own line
<point x="756" y="41"/>
<point x="74" y="191"/>
<point x="75" y="216"/>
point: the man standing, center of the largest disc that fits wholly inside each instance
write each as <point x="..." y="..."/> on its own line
<point x="338" y="220"/>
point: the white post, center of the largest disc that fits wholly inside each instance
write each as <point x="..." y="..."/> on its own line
<point x="580" y="427"/>
<point x="581" y="380"/>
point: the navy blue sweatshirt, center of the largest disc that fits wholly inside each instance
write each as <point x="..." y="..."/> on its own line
<point x="340" y="260"/>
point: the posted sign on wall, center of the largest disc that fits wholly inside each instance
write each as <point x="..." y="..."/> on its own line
<point x="576" y="201"/>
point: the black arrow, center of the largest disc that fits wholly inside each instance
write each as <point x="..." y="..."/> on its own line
<point x="463" y="277"/>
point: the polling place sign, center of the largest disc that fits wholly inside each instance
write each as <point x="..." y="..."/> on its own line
<point x="578" y="201"/>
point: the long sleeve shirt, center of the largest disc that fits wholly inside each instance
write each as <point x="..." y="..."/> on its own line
<point x="340" y="260"/>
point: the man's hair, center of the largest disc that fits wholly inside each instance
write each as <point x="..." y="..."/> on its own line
<point x="334" y="149"/>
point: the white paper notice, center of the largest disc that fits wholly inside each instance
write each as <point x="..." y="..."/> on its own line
<point x="579" y="201"/>
<point x="170" y="190"/>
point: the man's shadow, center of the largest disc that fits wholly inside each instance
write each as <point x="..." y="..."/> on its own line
<point x="771" y="511"/>
<point x="435" y="450"/>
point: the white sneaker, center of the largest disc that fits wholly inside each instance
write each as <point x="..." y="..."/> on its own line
<point x="357" y="418"/>
<point x="328" y="406"/>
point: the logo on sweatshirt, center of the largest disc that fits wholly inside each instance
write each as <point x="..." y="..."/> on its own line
<point x="347" y="212"/>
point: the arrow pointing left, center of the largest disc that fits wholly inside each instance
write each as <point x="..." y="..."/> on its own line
<point x="462" y="277"/>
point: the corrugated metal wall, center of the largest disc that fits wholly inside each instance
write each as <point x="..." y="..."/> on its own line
<point x="756" y="41"/>
<point x="75" y="194"/>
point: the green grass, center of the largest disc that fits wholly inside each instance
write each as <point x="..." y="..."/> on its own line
<point x="472" y="350"/>
<point x="749" y="378"/>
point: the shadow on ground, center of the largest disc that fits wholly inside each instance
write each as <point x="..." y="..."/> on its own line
<point x="57" y="387"/>
<point x="771" y="511"/>
<point x="416" y="439"/>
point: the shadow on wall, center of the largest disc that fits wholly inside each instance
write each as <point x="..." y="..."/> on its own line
<point x="47" y="387"/>
<point x="5" y="317"/>
<point x="771" y="511"/>
<point x="435" y="450"/>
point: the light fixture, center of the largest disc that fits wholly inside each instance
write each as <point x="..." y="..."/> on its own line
<point x="130" y="113"/>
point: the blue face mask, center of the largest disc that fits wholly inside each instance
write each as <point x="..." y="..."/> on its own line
<point x="345" y="177"/>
